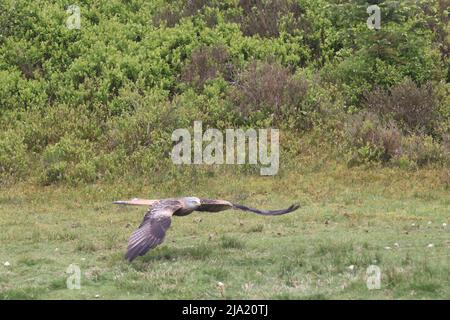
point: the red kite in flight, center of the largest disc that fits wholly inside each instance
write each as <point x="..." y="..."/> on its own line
<point x="157" y="219"/>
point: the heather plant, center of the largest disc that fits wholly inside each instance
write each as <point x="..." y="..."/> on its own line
<point x="371" y="140"/>
<point x="269" y="90"/>
<point x="412" y="107"/>
<point x="207" y="63"/>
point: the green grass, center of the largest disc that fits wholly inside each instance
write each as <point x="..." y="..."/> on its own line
<point x="348" y="218"/>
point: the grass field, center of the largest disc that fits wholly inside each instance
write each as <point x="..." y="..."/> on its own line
<point x="349" y="219"/>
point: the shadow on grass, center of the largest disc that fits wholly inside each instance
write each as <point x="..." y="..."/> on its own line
<point x="199" y="252"/>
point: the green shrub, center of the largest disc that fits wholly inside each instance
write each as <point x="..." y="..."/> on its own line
<point x="370" y="140"/>
<point x="17" y="93"/>
<point x="69" y="149"/>
<point x="364" y="59"/>
<point x="54" y="173"/>
<point x="68" y="160"/>
<point x="13" y="154"/>
<point x="46" y="126"/>
<point x="442" y="92"/>
<point x="424" y="150"/>
<point x="149" y="126"/>
<point x="83" y="172"/>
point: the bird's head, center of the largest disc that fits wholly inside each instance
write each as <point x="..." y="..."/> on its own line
<point x="192" y="202"/>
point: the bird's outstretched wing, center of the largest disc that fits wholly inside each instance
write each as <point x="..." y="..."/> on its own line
<point x="220" y="205"/>
<point x="153" y="228"/>
<point x="214" y="205"/>
<point x="267" y="212"/>
<point x="137" y="202"/>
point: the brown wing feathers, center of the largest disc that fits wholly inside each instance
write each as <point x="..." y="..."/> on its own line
<point x="267" y="212"/>
<point x="152" y="230"/>
<point x="149" y="235"/>
<point x="220" y="205"/>
<point x="209" y="205"/>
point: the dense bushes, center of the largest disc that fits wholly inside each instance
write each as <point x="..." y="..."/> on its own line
<point x="68" y="160"/>
<point x="268" y="90"/>
<point x="270" y="18"/>
<point x="102" y="101"/>
<point x="13" y="154"/>
<point x="372" y="140"/>
<point x="413" y="108"/>
<point x="404" y="125"/>
<point x="207" y="63"/>
<point x="422" y="150"/>
<point x="365" y="59"/>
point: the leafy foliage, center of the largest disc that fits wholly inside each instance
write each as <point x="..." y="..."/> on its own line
<point x="136" y="70"/>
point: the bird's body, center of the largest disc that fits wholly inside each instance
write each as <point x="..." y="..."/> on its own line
<point x="157" y="219"/>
